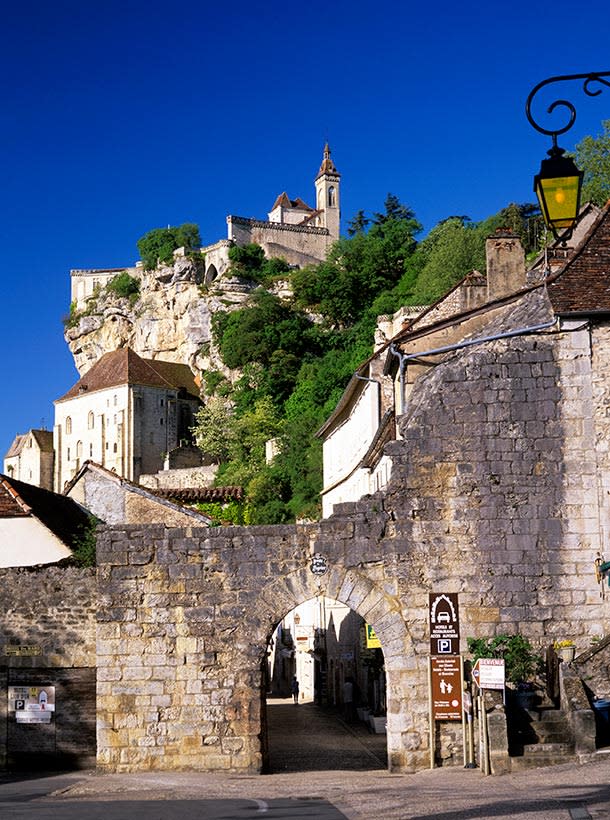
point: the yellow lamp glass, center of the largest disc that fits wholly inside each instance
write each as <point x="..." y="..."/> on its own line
<point x="558" y="199"/>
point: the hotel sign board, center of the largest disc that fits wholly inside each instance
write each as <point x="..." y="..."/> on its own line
<point x="444" y="620"/>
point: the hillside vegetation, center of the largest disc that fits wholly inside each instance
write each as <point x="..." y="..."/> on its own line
<point x="296" y="356"/>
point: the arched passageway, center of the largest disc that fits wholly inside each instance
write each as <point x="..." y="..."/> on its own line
<point x="325" y="691"/>
<point x="357" y="594"/>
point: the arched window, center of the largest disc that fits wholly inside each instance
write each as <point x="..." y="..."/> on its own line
<point x="91" y="420"/>
<point x="68" y="425"/>
<point x="332" y="199"/>
<point x="79" y="449"/>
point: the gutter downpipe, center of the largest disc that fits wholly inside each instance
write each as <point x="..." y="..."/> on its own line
<point x="403" y="358"/>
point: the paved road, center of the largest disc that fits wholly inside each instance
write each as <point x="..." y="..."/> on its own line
<point x="306" y="738"/>
<point x="567" y="792"/>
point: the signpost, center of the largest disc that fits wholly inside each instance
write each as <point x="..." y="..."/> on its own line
<point x="446" y="678"/>
<point x="445" y="671"/>
<point x="488" y="673"/>
<point x="444" y="620"/>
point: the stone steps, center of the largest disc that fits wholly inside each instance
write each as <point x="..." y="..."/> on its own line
<point x="541" y="737"/>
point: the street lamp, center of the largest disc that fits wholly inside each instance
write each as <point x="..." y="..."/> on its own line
<point x="559" y="181"/>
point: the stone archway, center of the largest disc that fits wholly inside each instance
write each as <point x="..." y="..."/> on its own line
<point x="354" y="589"/>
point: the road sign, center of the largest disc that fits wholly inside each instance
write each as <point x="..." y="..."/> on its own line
<point x="444" y="619"/>
<point x="446" y="678"/>
<point x="488" y="673"/>
<point x="372" y="641"/>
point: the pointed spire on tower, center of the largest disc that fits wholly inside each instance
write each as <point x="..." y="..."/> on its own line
<point x="328" y="166"/>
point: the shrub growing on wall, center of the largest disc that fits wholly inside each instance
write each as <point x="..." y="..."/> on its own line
<point x="125" y="286"/>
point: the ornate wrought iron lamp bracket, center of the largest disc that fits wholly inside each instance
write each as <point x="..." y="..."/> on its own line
<point x="591" y="81"/>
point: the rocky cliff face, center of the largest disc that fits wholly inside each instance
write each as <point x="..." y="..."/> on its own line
<point x="171" y="319"/>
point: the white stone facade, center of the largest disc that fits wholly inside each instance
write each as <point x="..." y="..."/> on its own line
<point x="127" y="429"/>
<point x="30" y="459"/>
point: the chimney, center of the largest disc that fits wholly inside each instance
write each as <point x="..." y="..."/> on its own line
<point x="505" y="264"/>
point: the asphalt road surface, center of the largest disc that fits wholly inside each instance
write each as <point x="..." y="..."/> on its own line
<point x="329" y="786"/>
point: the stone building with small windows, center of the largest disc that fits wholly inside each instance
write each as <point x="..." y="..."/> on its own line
<point x="125" y="414"/>
<point x="30" y="458"/>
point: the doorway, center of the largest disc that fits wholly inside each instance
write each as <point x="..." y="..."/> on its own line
<point x="337" y="718"/>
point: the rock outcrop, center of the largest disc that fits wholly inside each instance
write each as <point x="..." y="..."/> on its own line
<point x="170" y="320"/>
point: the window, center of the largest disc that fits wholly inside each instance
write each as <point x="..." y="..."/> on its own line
<point x="68" y="454"/>
<point x="68" y="425"/>
<point x="79" y="449"/>
<point x="161" y="422"/>
<point x="114" y="447"/>
<point x="114" y="400"/>
<point x="90" y="420"/>
<point x="332" y="199"/>
<point x="91" y="451"/>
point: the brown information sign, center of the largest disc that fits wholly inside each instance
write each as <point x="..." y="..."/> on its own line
<point x="444" y="619"/>
<point x="446" y="678"/>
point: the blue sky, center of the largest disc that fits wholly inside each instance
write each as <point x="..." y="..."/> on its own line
<point x="119" y="117"/>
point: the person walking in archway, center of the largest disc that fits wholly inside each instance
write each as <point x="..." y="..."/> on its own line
<point x="294" y="688"/>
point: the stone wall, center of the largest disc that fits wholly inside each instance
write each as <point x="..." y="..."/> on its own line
<point x="47" y="638"/>
<point x="496" y="493"/>
<point x="298" y="245"/>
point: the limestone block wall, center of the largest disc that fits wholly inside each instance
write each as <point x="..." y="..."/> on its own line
<point x="498" y="493"/>
<point x="47" y="638"/>
<point x="184" y="620"/>
<point x="299" y="245"/>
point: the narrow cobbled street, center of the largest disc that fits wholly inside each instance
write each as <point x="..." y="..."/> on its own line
<point x="313" y="738"/>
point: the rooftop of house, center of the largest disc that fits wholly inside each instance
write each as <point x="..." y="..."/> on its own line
<point x="62" y="516"/>
<point x="285" y="201"/>
<point x="163" y="499"/>
<point x="124" y="366"/>
<point x="582" y="285"/>
<point x="43" y="438"/>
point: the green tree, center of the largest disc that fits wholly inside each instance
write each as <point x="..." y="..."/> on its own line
<point x="358" y="224"/>
<point x="158" y="246"/>
<point x="249" y="262"/>
<point x="593" y="157"/>
<point x="359" y="268"/>
<point x="212" y="429"/>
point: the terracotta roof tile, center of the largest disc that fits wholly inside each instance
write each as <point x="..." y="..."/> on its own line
<point x="63" y="516"/>
<point x="17" y="446"/>
<point x="124" y="366"/>
<point x="202" y="494"/>
<point x="583" y="284"/>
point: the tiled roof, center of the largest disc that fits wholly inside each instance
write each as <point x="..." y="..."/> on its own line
<point x="124" y="366"/>
<point x="583" y="284"/>
<point x="11" y="505"/>
<point x="130" y="486"/>
<point x="17" y="446"/>
<point x="285" y="201"/>
<point x="63" y="516"/>
<point x="44" y="439"/>
<point x="203" y="494"/>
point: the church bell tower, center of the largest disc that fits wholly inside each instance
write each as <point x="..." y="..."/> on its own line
<point x="327" y="195"/>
